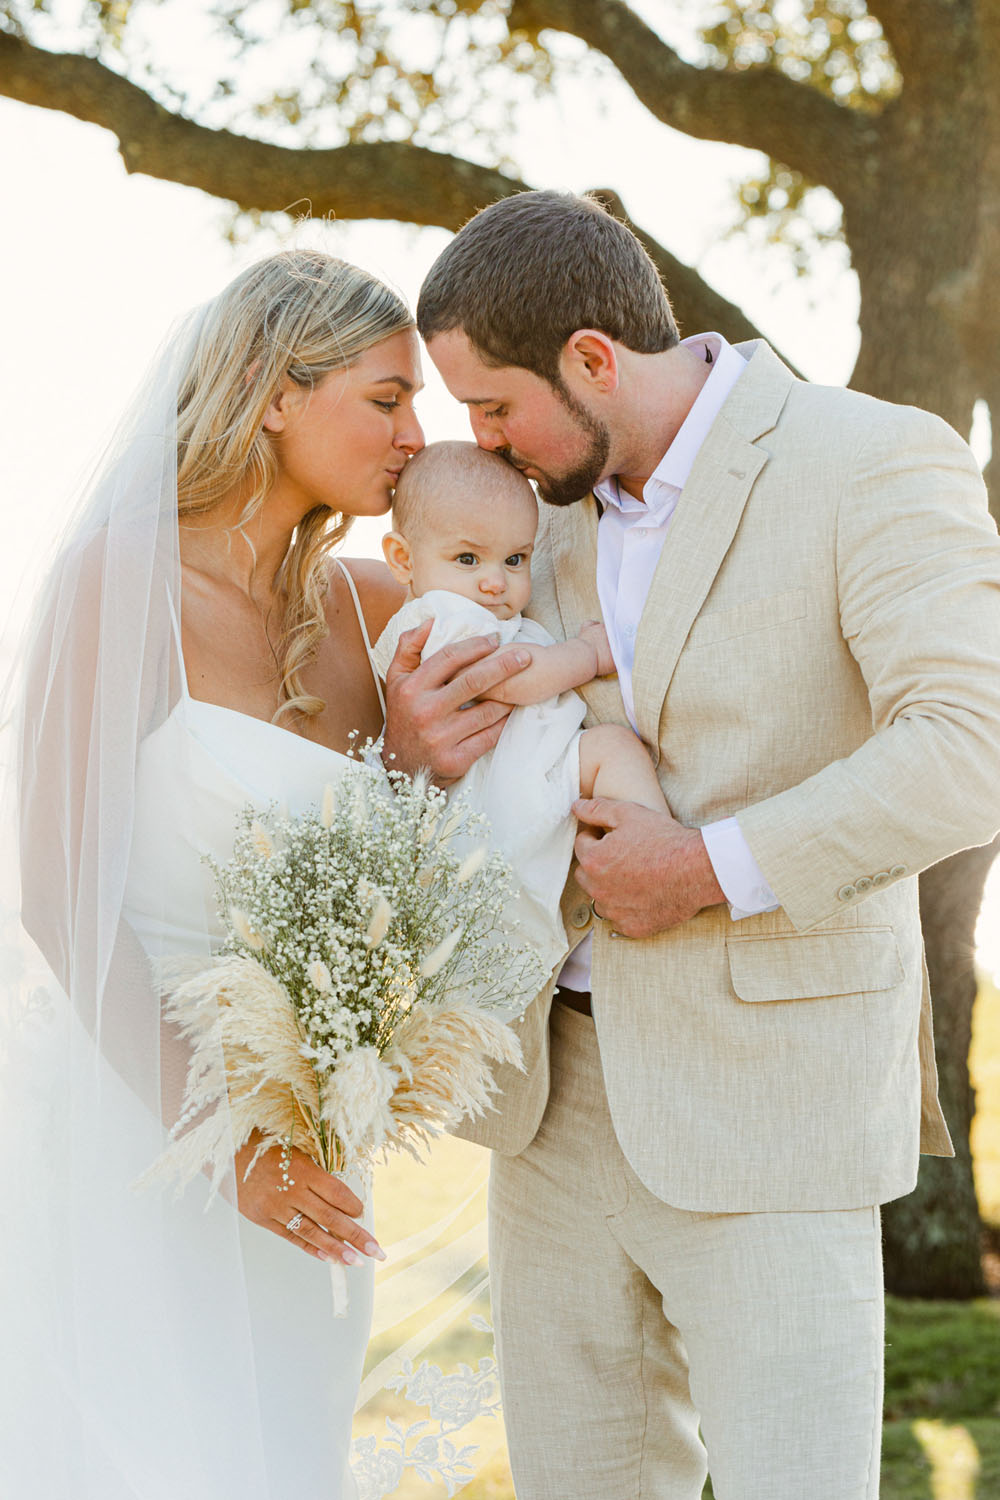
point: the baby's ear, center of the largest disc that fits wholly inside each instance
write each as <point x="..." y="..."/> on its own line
<point x="396" y="550"/>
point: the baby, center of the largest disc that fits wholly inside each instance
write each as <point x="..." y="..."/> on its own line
<point x="464" y="524"/>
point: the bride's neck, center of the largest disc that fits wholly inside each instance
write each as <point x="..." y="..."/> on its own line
<point x="247" y="556"/>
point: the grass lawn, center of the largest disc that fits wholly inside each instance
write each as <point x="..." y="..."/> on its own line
<point x="941" y="1438"/>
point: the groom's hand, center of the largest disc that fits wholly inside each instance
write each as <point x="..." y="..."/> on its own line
<point x="431" y="717"/>
<point x="644" y="871"/>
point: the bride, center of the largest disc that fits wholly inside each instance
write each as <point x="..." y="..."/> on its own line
<point x="196" y="649"/>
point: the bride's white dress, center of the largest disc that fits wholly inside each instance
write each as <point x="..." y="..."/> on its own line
<point x="154" y="1348"/>
<point x="194" y="775"/>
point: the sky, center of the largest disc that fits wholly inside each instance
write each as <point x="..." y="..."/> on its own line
<point x="96" y="265"/>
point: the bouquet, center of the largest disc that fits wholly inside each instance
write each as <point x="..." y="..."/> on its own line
<point x="365" y="986"/>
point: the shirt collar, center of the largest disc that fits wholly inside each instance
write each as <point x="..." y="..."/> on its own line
<point x="671" y="473"/>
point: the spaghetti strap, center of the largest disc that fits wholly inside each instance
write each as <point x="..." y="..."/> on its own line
<point x="364" y="633"/>
<point x="176" y="627"/>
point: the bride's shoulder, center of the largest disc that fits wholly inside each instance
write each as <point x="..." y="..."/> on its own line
<point x="379" y="593"/>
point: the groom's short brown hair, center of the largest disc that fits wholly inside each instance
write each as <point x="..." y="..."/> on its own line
<point x="527" y="272"/>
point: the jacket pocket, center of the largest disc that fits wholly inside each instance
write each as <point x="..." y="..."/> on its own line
<point x="813" y="965"/>
<point x="756" y="614"/>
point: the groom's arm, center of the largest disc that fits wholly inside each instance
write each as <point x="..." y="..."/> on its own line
<point x="919" y="580"/>
<point x="919" y="585"/>
<point x="433" y="720"/>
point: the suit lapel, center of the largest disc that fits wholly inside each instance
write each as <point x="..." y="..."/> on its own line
<point x="573" y="534"/>
<point x="702" y="528"/>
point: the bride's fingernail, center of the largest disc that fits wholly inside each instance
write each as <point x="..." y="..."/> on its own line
<point x="349" y="1256"/>
<point x="371" y="1248"/>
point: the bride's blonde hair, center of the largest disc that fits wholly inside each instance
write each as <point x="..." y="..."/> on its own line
<point x="299" y="315"/>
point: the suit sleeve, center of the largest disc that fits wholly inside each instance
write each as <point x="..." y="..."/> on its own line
<point x="918" y="569"/>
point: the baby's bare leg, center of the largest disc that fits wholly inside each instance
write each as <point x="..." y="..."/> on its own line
<point x="615" y="763"/>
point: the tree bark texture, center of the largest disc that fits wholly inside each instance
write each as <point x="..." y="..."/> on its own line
<point x="928" y="1235"/>
<point x="919" y="182"/>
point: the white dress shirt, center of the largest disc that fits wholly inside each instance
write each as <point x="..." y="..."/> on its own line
<point x="630" y="538"/>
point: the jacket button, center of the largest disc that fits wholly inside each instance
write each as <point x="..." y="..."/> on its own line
<point x="580" y="916"/>
<point x="847" y="893"/>
<point x="863" y="885"/>
<point x="882" y="878"/>
<point x="897" y="871"/>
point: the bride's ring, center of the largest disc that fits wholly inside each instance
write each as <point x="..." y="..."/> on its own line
<point x="295" y="1223"/>
<point x="595" y="913"/>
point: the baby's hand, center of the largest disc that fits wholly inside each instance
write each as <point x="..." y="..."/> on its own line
<point x="596" y="637"/>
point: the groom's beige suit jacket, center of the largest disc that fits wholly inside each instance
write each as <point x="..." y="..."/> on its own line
<point x="819" y="655"/>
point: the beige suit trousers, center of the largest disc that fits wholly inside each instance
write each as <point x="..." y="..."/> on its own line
<point x="624" y="1326"/>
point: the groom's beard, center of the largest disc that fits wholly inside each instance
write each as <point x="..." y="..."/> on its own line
<point x="565" y="489"/>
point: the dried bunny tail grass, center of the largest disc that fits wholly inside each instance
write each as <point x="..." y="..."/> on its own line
<point x="244" y="1038"/>
<point x="435" y="960"/>
<point x="263" y="843"/>
<point x="357" y="1103"/>
<point x="442" y="1057"/>
<point x="471" y="864"/>
<point x="327" y="808"/>
<point x="240" y="923"/>
<point x="379" y="924"/>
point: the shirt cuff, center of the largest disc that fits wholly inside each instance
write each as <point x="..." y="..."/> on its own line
<point x="743" y="882"/>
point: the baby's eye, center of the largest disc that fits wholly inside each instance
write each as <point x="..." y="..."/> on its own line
<point x="467" y="559"/>
<point x="514" y="560"/>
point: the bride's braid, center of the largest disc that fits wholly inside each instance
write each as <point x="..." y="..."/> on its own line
<point x="299" y="314"/>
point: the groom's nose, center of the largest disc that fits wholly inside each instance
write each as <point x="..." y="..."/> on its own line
<point x="485" y="431"/>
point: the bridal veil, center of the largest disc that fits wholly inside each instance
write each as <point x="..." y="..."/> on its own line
<point x="105" y="1390"/>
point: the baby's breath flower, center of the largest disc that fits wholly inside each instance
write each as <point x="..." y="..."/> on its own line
<point x="359" y="806"/>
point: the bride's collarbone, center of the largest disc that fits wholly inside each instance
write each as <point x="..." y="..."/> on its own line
<point x="233" y="662"/>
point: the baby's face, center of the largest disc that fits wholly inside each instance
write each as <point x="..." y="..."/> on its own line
<point x="479" y="548"/>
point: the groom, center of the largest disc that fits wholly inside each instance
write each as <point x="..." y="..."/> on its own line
<point x="801" y="586"/>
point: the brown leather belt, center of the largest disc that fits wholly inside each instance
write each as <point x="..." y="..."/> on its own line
<point x="578" y="1000"/>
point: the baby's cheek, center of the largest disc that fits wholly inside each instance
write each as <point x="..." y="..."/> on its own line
<point x="523" y="589"/>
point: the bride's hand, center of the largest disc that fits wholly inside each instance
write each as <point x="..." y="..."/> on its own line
<point x="314" y="1211"/>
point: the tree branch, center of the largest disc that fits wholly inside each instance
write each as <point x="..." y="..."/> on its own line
<point x="919" y="30"/>
<point x="697" y="306"/>
<point x="897" y="22"/>
<point x="759" y="108"/>
<point x="385" y="180"/>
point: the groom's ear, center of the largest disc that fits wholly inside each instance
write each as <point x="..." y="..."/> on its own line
<point x="396" y="551"/>
<point x="590" y="361"/>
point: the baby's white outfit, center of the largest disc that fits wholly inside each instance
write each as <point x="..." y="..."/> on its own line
<point x="528" y="782"/>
